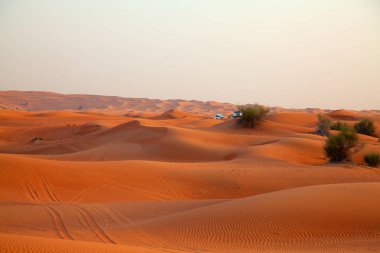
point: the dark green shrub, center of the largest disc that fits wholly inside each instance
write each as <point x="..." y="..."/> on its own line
<point x="372" y="159"/>
<point x="252" y="115"/>
<point x="338" y="148"/>
<point x="366" y="127"/>
<point x="323" y="125"/>
<point x="340" y="126"/>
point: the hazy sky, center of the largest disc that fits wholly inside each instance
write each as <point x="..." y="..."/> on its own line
<point x="293" y="53"/>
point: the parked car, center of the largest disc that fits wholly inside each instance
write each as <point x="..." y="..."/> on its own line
<point x="237" y="114"/>
<point x="218" y="116"/>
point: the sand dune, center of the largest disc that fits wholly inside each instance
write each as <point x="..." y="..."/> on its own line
<point x="163" y="176"/>
<point x="176" y="114"/>
<point x="141" y="107"/>
<point x="311" y="217"/>
<point x="144" y="180"/>
<point x="344" y="115"/>
<point x="295" y="149"/>
<point x="31" y="100"/>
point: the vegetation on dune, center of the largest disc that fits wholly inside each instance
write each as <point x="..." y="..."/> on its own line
<point x="323" y="125"/>
<point x="340" y="126"/>
<point x="253" y="115"/>
<point x="366" y="127"/>
<point x="339" y="147"/>
<point x="372" y="159"/>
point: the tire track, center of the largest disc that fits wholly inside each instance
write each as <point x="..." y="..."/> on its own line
<point x="90" y="190"/>
<point x="169" y="188"/>
<point x="93" y="226"/>
<point x="111" y="214"/>
<point x="57" y="218"/>
<point x="148" y="193"/>
<point x="50" y="193"/>
<point x="59" y="224"/>
<point x="121" y="216"/>
<point x="31" y="191"/>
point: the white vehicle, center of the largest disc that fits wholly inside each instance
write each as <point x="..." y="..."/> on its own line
<point x="218" y="116"/>
<point x="237" y="114"/>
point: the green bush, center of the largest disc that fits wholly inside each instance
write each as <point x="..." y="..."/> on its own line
<point x="338" y="148"/>
<point x="252" y="115"/>
<point x="366" y="127"/>
<point x="372" y="159"/>
<point x="323" y="125"/>
<point x="340" y="126"/>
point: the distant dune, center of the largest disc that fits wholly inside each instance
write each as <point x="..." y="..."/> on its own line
<point x="43" y="101"/>
<point x="140" y="175"/>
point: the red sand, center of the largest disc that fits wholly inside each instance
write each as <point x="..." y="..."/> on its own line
<point x="181" y="182"/>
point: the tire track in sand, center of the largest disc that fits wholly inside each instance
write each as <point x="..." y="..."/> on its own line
<point x="32" y="193"/>
<point x="90" y="190"/>
<point x="93" y="226"/>
<point x="50" y="193"/>
<point x="59" y="224"/>
<point x="58" y="221"/>
<point x="112" y="214"/>
<point x="55" y="215"/>
<point x="169" y="188"/>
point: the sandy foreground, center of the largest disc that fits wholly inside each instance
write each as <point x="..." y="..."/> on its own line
<point x="87" y="181"/>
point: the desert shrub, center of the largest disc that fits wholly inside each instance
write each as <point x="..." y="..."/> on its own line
<point x="340" y="126"/>
<point x="366" y="127"/>
<point x="338" y="148"/>
<point x="323" y="125"/>
<point x="372" y="159"/>
<point x="252" y="115"/>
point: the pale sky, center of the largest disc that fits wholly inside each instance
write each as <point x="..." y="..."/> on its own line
<point x="293" y="53"/>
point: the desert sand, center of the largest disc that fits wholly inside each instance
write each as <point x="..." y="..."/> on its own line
<point x="140" y="175"/>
